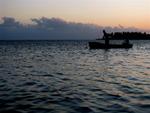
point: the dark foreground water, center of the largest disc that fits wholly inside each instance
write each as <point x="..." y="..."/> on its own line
<point x="67" y="77"/>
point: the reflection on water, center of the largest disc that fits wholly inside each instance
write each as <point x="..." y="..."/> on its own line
<point x="67" y="77"/>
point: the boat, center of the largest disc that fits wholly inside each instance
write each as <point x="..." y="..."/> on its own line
<point x="107" y="45"/>
<point x="98" y="45"/>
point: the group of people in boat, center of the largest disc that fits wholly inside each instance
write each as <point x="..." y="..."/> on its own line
<point x="108" y="36"/>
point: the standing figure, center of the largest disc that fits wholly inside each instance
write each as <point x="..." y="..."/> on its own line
<point x="106" y="37"/>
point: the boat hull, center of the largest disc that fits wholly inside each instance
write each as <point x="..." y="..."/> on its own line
<point x="98" y="45"/>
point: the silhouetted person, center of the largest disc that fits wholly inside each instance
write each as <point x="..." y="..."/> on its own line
<point x="126" y="41"/>
<point x="106" y="37"/>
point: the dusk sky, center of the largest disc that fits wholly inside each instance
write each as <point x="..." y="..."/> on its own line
<point x="128" y="13"/>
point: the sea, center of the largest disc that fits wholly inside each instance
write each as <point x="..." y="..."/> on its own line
<point x="68" y="77"/>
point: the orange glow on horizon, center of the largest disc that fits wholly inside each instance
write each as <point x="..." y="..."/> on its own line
<point x="127" y="13"/>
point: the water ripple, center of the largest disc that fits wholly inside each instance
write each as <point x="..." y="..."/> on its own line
<point x="67" y="77"/>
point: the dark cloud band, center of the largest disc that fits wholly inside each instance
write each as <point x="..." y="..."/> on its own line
<point x="52" y="29"/>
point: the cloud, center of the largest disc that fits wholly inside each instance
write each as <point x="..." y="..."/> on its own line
<point x="9" y="22"/>
<point x="52" y="29"/>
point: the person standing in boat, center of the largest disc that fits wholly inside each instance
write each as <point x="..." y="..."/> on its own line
<point x="106" y="37"/>
<point x="126" y="39"/>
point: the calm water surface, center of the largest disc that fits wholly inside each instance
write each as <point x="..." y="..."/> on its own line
<point x="67" y="77"/>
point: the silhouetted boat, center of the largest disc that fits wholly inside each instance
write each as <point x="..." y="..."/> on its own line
<point x="107" y="45"/>
<point x="98" y="45"/>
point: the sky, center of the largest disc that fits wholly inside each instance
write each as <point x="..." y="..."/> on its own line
<point x="127" y="13"/>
